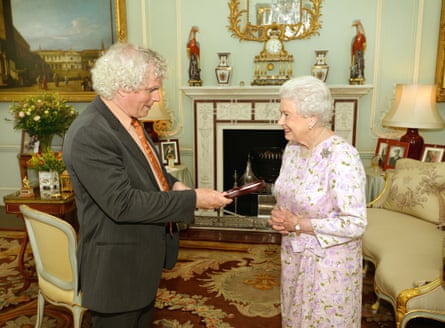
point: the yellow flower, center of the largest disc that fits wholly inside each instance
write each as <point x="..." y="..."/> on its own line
<point x="47" y="161"/>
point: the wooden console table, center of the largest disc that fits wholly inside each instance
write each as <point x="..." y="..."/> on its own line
<point x="63" y="207"/>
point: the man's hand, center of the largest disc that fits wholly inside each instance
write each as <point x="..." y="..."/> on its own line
<point x="209" y="198"/>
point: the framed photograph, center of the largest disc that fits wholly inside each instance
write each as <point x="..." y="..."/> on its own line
<point x="382" y="150"/>
<point x="170" y="151"/>
<point x="57" y="56"/>
<point x="433" y="153"/>
<point x="29" y="145"/>
<point x="396" y="150"/>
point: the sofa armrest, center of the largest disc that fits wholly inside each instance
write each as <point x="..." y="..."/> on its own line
<point x="379" y="200"/>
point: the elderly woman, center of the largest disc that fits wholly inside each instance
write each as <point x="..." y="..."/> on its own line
<point x="321" y="213"/>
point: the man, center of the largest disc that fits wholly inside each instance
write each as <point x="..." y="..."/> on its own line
<point x="125" y="198"/>
<point x="395" y="157"/>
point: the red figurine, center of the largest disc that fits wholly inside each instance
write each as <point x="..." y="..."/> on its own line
<point x="193" y="54"/>
<point x="357" y="74"/>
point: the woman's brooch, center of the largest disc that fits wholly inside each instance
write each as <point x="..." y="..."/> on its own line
<point x="325" y="153"/>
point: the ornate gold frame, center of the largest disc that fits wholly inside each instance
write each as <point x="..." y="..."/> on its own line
<point x="81" y="96"/>
<point x="440" y="64"/>
<point x="252" y="32"/>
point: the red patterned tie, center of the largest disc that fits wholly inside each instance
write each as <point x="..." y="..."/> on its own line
<point x="152" y="158"/>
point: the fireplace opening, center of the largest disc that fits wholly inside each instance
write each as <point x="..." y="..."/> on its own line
<point x="257" y="151"/>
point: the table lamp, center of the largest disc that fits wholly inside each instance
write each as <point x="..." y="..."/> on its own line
<point x="414" y="108"/>
<point x="156" y="113"/>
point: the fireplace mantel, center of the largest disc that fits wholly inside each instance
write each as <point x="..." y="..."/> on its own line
<point x="256" y="108"/>
<point x="266" y="92"/>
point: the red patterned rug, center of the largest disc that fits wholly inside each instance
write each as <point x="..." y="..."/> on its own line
<point x="214" y="284"/>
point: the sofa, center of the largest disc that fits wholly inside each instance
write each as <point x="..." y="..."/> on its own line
<point x="404" y="241"/>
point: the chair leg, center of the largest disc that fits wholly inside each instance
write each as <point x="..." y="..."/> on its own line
<point x="78" y="313"/>
<point x="375" y="306"/>
<point x="40" y="309"/>
<point x="365" y="268"/>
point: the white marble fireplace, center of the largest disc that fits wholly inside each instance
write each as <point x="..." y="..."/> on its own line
<point x="257" y="108"/>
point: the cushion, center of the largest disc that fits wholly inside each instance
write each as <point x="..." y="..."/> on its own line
<point x="407" y="251"/>
<point x="390" y="233"/>
<point x="418" y="188"/>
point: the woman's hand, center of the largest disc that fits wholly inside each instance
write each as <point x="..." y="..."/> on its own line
<point x="284" y="221"/>
<point x="278" y="220"/>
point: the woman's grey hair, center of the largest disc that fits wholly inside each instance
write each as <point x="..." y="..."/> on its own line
<point x="311" y="96"/>
<point x="125" y="66"/>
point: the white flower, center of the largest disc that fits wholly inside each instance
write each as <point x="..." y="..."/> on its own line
<point x="43" y="115"/>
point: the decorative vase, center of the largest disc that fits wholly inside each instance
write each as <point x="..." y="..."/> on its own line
<point x="49" y="184"/>
<point x="223" y="70"/>
<point x="45" y="142"/>
<point x="248" y="175"/>
<point x="320" y="69"/>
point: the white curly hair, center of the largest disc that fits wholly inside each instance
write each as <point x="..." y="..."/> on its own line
<point x="125" y="66"/>
<point x="311" y="96"/>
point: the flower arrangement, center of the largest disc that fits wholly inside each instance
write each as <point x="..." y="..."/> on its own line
<point x="44" y="115"/>
<point x="47" y="161"/>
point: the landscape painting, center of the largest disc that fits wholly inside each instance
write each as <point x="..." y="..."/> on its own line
<point x="51" y="45"/>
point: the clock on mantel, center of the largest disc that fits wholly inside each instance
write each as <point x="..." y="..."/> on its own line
<point x="273" y="65"/>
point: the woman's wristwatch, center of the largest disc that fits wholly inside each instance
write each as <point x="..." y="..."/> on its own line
<point x="298" y="228"/>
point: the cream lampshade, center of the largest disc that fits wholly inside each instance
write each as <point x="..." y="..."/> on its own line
<point x="156" y="113"/>
<point x="414" y="108"/>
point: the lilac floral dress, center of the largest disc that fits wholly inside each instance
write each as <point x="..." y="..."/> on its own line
<point x="321" y="282"/>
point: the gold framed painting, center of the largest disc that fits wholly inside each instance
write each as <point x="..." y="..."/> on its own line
<point x="59" y="43"/>
<point x="440" y="63"/>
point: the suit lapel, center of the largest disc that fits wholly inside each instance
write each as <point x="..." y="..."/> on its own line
<point x="126" y="138"/>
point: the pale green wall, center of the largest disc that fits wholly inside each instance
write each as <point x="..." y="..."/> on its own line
<point x="394" y="55"/>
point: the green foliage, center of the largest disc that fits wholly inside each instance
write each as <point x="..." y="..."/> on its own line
<point x="43" y="115"/>
<point x="47" y="161"/>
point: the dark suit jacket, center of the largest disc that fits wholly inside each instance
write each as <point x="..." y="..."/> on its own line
<point x="121" y="213"/>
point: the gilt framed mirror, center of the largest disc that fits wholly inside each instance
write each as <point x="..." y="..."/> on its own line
<point x="297" y="19"/>
<point x="272" y="22"/>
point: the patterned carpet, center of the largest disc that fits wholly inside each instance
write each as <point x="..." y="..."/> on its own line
<point x="213" y="285"/>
